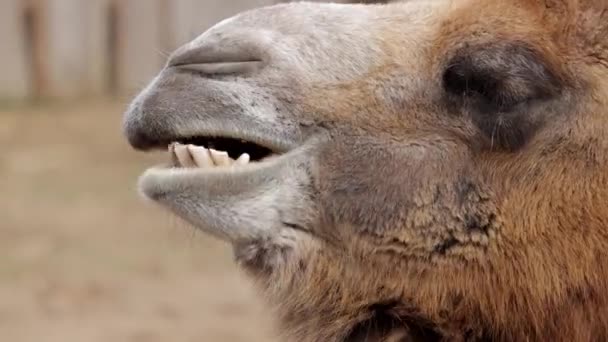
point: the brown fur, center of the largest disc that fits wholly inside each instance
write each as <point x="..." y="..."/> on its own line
<point x="529" y="258"/>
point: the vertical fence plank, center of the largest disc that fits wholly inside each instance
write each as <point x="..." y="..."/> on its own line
<point x="75" y="40"/>
<point x="98" y="51"/>
<point x="13" y="59"/>
<point x="140" y="51"/>
<point x="190" y="18"/>
<point x="181" y="19"/>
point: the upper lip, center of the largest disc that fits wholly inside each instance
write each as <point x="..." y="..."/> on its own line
<point x="146" y="135"/>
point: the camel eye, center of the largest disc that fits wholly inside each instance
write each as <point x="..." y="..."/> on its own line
<point x="500" y="84"/>
<point x="499" y="75"/>
<point x="480" y="85"/>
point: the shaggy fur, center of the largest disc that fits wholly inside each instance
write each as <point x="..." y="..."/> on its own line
<point x="445" y="171"/>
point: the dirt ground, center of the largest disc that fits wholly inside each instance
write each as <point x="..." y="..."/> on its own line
<point x="83" y="258"/>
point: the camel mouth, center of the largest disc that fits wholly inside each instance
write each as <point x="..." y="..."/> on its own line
<point x="235" y="148"/>
<point x="217" y="153"/>
<point x="212" y="160"/>
<point x="221" y="153"/>
<point x="204" y="151"/>
<point x="239" y="193"/>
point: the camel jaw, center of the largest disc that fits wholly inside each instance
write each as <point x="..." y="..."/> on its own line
<point x="235" y="203"/>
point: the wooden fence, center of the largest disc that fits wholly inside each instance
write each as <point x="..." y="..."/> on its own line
<point x="71" y="48"/>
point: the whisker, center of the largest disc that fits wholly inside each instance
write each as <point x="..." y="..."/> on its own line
<point x="163" y="53"/>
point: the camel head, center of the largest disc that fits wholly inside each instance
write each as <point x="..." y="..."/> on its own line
<point x="426" y="170"/>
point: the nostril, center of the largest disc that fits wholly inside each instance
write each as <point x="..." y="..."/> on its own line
<point x="237" y="56"/>
<point x="222" y="68"/>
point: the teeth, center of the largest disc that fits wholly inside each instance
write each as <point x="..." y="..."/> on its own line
<point x="183" y="156"/>
<point x="201" y="156"/>
<point x="191" y="156"/>
<point x="220" y="158"/>
<point x="242" y="160"/>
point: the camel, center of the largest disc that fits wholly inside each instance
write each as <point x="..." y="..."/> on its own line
<point x="416" y="171"/>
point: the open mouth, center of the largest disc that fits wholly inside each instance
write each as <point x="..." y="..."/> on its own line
<point x="203" y="152"/>
<point x="232" y="188"/>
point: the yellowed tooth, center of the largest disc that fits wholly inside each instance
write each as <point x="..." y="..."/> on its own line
<point x="243" y="160"/>
<point x="220" y="158"/>
<point x="201" y="156"/>
<point x="183" y="156"/>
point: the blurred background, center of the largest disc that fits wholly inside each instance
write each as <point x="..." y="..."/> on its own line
<point x="82" y="258"/>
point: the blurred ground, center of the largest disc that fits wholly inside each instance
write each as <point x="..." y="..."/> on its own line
<point x="82" y="258"/>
